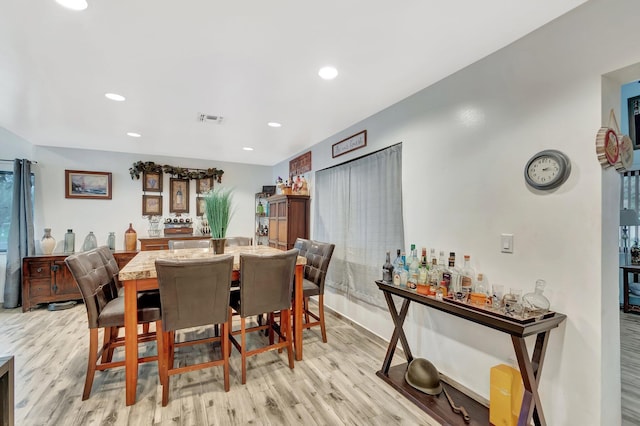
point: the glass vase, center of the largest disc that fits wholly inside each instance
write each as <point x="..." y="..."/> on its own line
<point x="111" y="241"/>
<point x="90" y="242"/>
<point x="536" y="303"/>
<point x="69" y="242"/>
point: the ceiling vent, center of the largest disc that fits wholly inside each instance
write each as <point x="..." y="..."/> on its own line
<point x="206" y="118"/>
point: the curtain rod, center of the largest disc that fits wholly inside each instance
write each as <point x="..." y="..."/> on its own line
<point x="11" y="161"/>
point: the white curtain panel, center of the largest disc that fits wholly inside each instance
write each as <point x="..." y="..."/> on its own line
<point x="358" y="207"/>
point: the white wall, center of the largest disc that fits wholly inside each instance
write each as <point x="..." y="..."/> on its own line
<point x="465" y="141"/>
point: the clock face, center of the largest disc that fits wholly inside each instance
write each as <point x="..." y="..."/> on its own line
<point x="547" y="169"/>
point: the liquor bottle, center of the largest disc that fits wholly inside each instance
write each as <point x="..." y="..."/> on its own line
<point x="423" y="271"/>
<point x="414" y="266"/>
<point x="434" y="273"/>
<point x="387" y="270"/>
<point x="403" y="256"/>
<point x="398" y="262"/>
<point x="441" y="267"/>
<point x="468" y="275"/>
<point x="412" y="255"/>
<point x="451" y="275"/>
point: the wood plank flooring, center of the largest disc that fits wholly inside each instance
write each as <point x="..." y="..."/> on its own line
<point x="630" y="368"/>
<point x="335" y="384"/>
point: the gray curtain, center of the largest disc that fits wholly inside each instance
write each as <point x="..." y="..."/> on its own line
<point x="21" y="236"/>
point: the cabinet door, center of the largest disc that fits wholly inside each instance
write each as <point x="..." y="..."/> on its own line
<point x="62" y="281"/>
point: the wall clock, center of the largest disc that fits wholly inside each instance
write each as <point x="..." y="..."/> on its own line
<point x="547" y="169"/>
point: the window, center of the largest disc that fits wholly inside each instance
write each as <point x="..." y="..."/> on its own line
<point x="6" y="201"/>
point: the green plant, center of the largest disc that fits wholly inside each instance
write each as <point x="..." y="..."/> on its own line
<point x="218" y="211"/>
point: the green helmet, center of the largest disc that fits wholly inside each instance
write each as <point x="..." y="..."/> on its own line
<point x="424" y="376"/>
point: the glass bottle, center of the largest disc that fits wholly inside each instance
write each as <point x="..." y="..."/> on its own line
<point x="423" y="270"/>
<point x="90" y="242"/>
<point x="111" y="241"/>
<point x="47" y="243"/>
<point x="536" y="303"/>
<point x="434" y="273"/>
<point x="130" y="239"/>
<point x="398" y="263"/>
<point x="387" y="270"/>
<point x="260" y="209"/>
<point x="69" y="242"/>
<point x="414" y="266"/>
<point x="468" y="275"/>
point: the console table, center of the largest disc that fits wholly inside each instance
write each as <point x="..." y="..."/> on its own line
<point x="530" y="368"/>
<point x="626" y="271"/>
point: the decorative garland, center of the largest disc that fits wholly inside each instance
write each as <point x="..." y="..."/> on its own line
<point x="180" y="172"/>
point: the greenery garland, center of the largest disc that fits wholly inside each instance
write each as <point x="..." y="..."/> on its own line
<point x="182" y="173"/>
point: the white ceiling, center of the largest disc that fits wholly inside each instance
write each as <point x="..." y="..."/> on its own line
<point x="251" y="61"/>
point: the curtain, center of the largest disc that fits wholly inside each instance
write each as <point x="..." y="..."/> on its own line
<point x="21" y="236"/>
<point x="358" y="207"/>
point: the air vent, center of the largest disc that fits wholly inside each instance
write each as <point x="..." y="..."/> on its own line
<point x="210" y="118"/>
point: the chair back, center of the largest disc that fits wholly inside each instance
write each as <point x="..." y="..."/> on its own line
<point x="187" y="244"/>
<point x="110" y="263"/>
<point x="95" y="281"/>
<point x="266" y="282"/>
<point x="318" y="256"/>
<point x="238" y="241"/>
<point x="194" y="292"/>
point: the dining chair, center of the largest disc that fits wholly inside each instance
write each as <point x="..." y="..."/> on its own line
<point x="105" y="310"/>
<point x="238" y="241"/>
<point x="186" y="244"/>
<point x="318" y="256"/>
<point x="194" y="293"/>
<point x="266" y="287"/>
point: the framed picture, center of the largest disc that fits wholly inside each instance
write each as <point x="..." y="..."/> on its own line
<point x="200" y="206"/>
<point x="152" y="182"/>
<point x="152" y="205"/>
<point x="179" y="196"/>
<point x="204" y="185"/>
<point x="634" y="120"/>
<point x="92" y="185"/>
<point x="357" y="141"/>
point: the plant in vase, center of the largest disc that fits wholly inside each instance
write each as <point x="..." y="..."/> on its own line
<point x="218" y="212"/>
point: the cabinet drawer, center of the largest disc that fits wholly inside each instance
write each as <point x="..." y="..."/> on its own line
<point x="38" y="288"/>
<point x="39" y="269"/>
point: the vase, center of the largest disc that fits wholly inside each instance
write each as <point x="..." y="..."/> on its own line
<point x="111" y="241"/>
<point x="218" y="245"/>
<point x="69" y="242"/>
<point x="536" y="303"/>
<point x="90" y="242"/>
<point x="130" y="239"/>
<point x="48" y="243"/>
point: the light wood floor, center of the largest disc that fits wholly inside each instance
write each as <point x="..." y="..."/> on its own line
<point x="335" y="384"/>
<point x="630" y="366"/>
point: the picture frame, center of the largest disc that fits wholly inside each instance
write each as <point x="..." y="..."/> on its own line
<point x="357" y="141"/>
<point x="204" y="185"/>
<point x="152" y="182"/>
<point x="88" y="185"/>
<point x="152" y="205"/>
<point x="179" y="195"/>
<point x="633" y="105"/>
<point x="200" y="206"/>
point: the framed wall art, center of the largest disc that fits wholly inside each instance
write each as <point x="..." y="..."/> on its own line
<point x="200" y="206"/>
<point x="634" y="120"/>
<point x="152" y="182"/>
<point x="357" y="141"/>
<point x="204" y="185"/>
<point x="90" y="185"/>
<point x="179" y="196"/>
<point x="152" y="205"/>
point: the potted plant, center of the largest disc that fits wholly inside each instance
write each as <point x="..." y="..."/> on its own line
<point x="218" y="212"/>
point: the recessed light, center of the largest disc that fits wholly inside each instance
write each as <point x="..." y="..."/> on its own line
<point x="247" y="148"/>
<point x="114" y="97"/>
<point x="274" y="124"/>
<point x="134" y="134"/>
<point x="73" y="4"/>
<point x="328" y="73"/>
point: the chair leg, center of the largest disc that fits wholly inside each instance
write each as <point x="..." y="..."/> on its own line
<point x="270" y="323"/>
<point x="224" y="347"/>
<point x="161" y="352"/>
<point x="285" y="325"/>
<point x="305" y="308"/>
<point x="106" y="343"/>
<point x="243" y="349"/>
<point x="167" y="348"/>
<point x="93" y="359"/>
<point x="321" y="310"/>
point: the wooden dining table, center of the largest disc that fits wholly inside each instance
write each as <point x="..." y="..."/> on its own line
<point x="140" y="275"/>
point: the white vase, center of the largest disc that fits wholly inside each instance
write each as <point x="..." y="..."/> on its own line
<point x="47" y="243"/>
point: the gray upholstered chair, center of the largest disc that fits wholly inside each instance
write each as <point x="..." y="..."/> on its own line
<point x="105" y="309"/>
<point x="194" y="292"/>
<point x="315" y="271"/>
<point x="185" y="244"/>
<point x="238" y="241"/>
<point x="266" y="286"/>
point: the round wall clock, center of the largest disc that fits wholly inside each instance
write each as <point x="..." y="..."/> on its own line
<point x="547" y="169"/>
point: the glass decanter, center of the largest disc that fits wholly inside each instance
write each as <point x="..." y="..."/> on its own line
<point x="536" y="303"/>
<point x="90" y="242"/>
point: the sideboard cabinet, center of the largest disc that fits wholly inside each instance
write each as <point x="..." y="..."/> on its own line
<point x="288" y="220"/>
<point x="47" y="279"/>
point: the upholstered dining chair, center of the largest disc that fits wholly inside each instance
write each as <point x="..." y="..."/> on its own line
<point x="194" y="293"/>
<point x="266" y="287"/>
<point x="185" y="244"/>
<point x="318" y="256"/>
<point x="238" y="241"/>
<point x="105" y="310"/>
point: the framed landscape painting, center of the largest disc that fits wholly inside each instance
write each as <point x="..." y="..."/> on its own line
<point x="90" y="185"/>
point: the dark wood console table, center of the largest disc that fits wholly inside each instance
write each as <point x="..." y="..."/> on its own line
<point x="626" y="271"/>
<point x="530" y="368"/>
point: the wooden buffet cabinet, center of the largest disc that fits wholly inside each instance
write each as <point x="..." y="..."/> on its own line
<point x="47" y="279"/>
<point x="288" y="220"/>
<point x="162" y="243"/>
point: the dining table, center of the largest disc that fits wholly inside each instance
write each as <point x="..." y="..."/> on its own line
<point x="140" y="275"/>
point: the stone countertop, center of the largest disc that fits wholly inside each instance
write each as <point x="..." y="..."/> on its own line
<point x="142" y="266"/>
